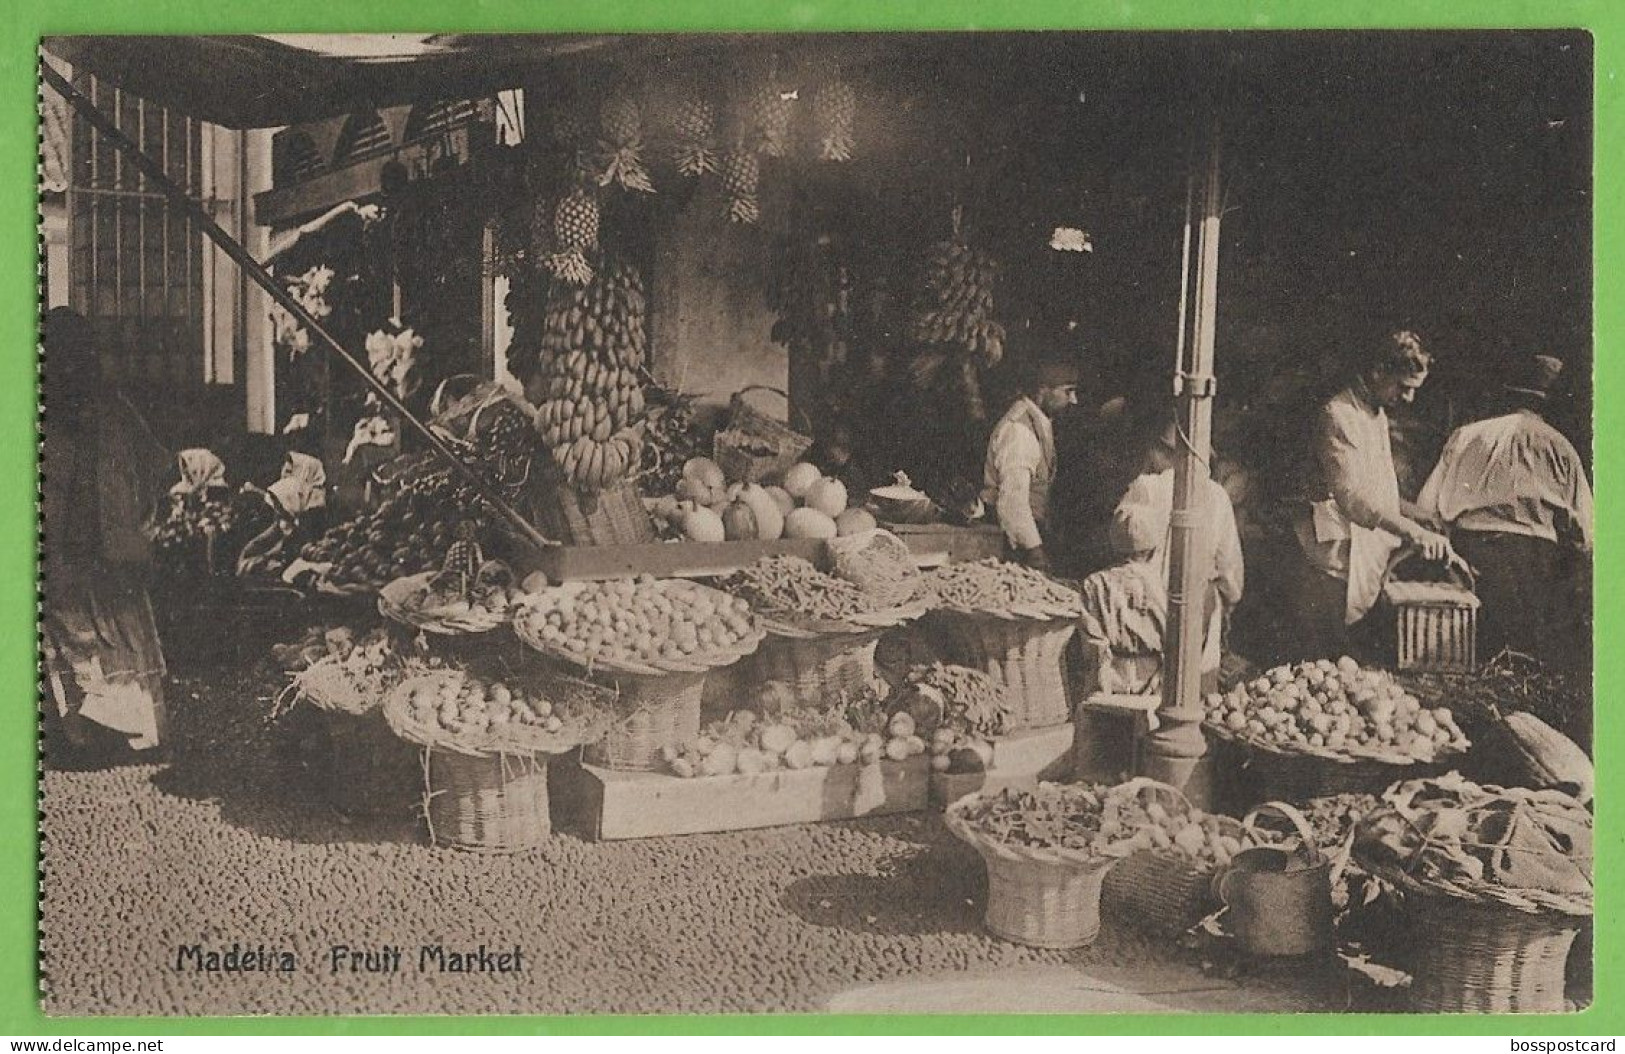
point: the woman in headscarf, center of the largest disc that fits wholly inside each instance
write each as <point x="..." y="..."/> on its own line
<point x="103" y="477"/>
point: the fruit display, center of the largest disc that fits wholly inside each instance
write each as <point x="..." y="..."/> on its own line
<point x="707" y="507"/>
<point x="955" y="302"/>
<point x="741" y="174"/>
<point x="695" y="127"/>
<point x="180" y="539"/>
<point x="461" y="704"/>
<point x="791" y="589"/>
<point x="834" y="110"/>
<point x="1452" y="833"/>
<point x="620" y="144"/>
<point x="465" y="596"/>
<point x="957" y="698"/>
<point x="407" y="534"/>
<point x="323" y="642"/>
<point x="591" y="364"/>
<point x="575" y="237"/>
<point x="748" y="744"/>
<point x="994" y="585"/>
<point x="638" y="624"/>
<point x="341" y="671"/>
<point x="1335" y="707"/>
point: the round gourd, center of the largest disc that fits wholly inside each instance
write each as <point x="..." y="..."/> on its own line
<point x="706" y="472"/>
<point x="808" y="523"/>
<point x="739" y="523"/>
<point x="782" y="499"/>
<point x="854" y="521"/>
<point x="703" y="525"/>
<point x="828" y="496"/>
<point x="769" y="517"/>
<point x="799" y="478"/>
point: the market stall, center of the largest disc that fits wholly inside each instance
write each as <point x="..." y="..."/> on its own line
<point x="573" y="602"/>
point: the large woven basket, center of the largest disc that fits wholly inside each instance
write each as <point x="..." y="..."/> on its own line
<point x="614" y="516"/>
<point x="1251" y="774"/>
<point x="1487" y="958"/>
<point x="1027" y="657"/>
<point x="819" y="670"/>
<point x="486" y="803"/>
<point x="754" y="445"/>
<point x="665" y="712"/>
<point x="1043" y="898"/>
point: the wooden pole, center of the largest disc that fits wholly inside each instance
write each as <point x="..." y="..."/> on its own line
<point x="1178" y="744"/>
<point x="252" y="268"/>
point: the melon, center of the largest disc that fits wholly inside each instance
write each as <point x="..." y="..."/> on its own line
<point x="704" y="471"/>
<point x="799" y="478"/>
<point x="808" y="523"/>
<point x="782" y="499"/>
<point x="828" y="496"/>
<point x="703" y="525"/>
<point x="854" y="521"/>
<point x="769" y="517"/>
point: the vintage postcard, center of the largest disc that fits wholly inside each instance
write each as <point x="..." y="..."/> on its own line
<point x="899" y="523"/>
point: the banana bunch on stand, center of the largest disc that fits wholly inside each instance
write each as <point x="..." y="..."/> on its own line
<point x="591" y="418"/>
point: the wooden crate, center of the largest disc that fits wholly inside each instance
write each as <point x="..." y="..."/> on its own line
<point x="607" y="805"/>
<point x="1020" y="760"/>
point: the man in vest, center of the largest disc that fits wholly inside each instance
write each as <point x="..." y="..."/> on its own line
<point x="1020" y="464"/>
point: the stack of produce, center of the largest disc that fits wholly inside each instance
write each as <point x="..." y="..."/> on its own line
<point x="707" y="507"/>
<point x="456" y="599"/>
<point x="955" y="304"/>
<point x="671" y="438"/>
<point x="747" y="744"/>
<point x="954" y="697"/>
<point x="181" y="541"/>
<point x="1014" y="624"/>
<point x="642" y="626"/>
<point x="337" y="670"/>
<point x="408" y="533"/>
<point x="591" y="360"/>
<point x="1496" y="883"/>
<point x="1329" y="709"/>
<point x="792" y="590"/>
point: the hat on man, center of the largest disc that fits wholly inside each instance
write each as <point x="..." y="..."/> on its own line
<point x="1540" y="374"/>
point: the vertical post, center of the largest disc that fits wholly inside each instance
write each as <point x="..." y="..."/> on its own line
<point x="1178" y="744"/>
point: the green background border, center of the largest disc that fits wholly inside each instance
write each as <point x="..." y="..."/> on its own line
<point x="23" y="22"/>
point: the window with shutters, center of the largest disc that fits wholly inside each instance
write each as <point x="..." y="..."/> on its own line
<point x="433" y="118"/>
<point x="136" y="263"/>
<point x="364" y="135"/>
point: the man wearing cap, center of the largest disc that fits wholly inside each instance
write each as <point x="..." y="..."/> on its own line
<point x="1354" y="519"/>
<point x="1020" y="464"/>
<point x="1514" y="494"/>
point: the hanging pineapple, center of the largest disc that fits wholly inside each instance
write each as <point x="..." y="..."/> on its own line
<point x="741" y="173"/>
<point x="834" y="108"/>
<point x="771" y="108"/>
<point x="695" y="152"/>
<point x="575" y="235"/>
<point x="621" y="146"/>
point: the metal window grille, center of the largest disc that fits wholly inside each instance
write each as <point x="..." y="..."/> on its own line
<point x="136" y="264"/>
<point x="428" y="120"/>
<point x="364" y="134"/>
<point x="296" y="159"/>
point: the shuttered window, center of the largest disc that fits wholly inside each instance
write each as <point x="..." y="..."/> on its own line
<point x="136" y="263"/>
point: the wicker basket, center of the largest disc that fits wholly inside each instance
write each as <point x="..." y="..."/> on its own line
<point x="394" y="605"/>
<point x="1252" y="774"/>
<point x="665" y="713"/>
<point x="1437" y="623"/>
<point x="1487" y="958"/>
<point x="1043" y="898"/>
<point x="1027" y="657"/>
<point x="486" y="803"/>
<point x="755" y="446"/>
<point x="819" y="670"/>
<point x="614" y="516"/>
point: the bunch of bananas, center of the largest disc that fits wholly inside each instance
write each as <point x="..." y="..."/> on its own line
<point x="592" y="354"/>
<point x="955" y="304"/>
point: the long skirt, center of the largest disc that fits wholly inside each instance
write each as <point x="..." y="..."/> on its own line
<point x="1532" y="597"/>
<point x="103" y="661"/>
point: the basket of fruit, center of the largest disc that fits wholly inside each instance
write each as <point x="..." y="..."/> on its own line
<point x="1166" y="884"/>
<point x="793" y="738"/>
<point x="1047" y="852"/>
<point x="821" y="630"/>
<point x="452" y="602"/>
<point x="1015" y="624"/>
<point x="366" y="769"/>
<point x="1496" y="883"/>
<point x="485" y="747"/>
<point x="1322" y="728"/>
<point x="653" y="640"/>
<point x="755" y="445"/>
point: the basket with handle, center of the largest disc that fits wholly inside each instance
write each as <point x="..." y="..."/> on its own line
<point x="754" y="445"/>
<point x="1437" y="622"/>
<point x="1278" y="898"/>
<point x="1166" y="891"/>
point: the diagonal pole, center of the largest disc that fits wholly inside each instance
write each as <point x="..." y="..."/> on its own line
<point x="234" y="249"/>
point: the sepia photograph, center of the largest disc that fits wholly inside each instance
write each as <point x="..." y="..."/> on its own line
<point x="1046" y="522"/>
